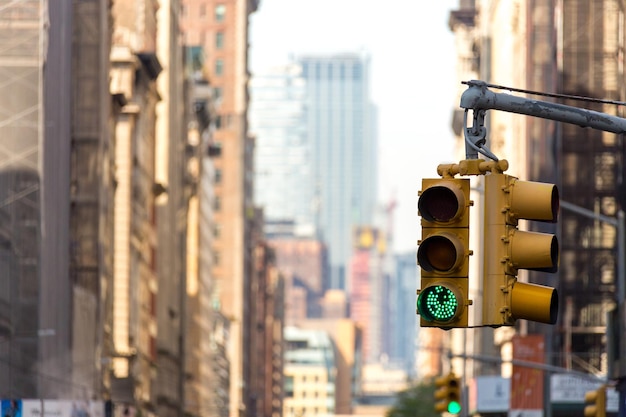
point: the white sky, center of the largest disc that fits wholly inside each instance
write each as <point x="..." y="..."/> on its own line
<point x="413" y="80"/>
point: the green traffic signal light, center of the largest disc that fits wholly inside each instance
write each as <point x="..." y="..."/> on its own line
<point x="439" y="303"/>
<point x="448" y="394"/>
<point x="454" y="407"/>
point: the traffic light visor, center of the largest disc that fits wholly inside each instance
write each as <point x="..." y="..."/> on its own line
<point x="591" y="396"/>
<point x="441" y="252"/>
<point x="533" y="250"/>
<point x="441" y="203"/>
<point x="534" y="302"/>
<point x="533" y="201"/>
<point x="596" y="402"/>
<point x="440" y="303"/>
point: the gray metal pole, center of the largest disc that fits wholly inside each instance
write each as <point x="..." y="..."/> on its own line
<point x="478" y="97"/>
<point x="527" y="364"/>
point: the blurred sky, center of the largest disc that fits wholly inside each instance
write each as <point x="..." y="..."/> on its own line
<point x="413" y="80"/>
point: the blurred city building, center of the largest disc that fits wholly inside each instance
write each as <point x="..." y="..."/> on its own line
<point x="380" y="380"/>
<point x="134" y="70"/>
<point x="267" y="346"/>
<point x="341" y="124"/>
<point x="572" y="48"/>
<point x="347" y="339"/>
<point x="334" y="304"/>
<point x="221" y="29"/>
<point x="318" y="108"/>
<point x="57" y="190"/>
<point x="399" y="329"/>
<point x="94" y="112"/>
<point x="309" y="373"/>
<point x="302" y="261"/>
<point x="319" y="197"/>
<point x="176" y="213"/>
<point x="283" y="183"/>
<point x="140" y="281"/>
<point x="367" y="297"/>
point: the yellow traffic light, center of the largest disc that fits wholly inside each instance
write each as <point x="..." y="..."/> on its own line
<point x="448" y="394"/>
<point x="508" y="249"/>
<point x="595" y="402"/>
<point x="443" y="253"/>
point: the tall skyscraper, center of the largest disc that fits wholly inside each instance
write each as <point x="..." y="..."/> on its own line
<point x="282" y="159"/>
<point x="316" y="151"/>
<point x="341" y="131"/>
<point x="399" y="328"/>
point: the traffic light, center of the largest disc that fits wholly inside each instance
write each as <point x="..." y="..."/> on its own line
<point x="448" y="394"/>
<point x="443" y="253"/>
<point x="595" y="402"/>
<point x="508" y="249"/>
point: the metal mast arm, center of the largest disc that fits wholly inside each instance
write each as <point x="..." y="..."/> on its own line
<point x="479" y="98"/>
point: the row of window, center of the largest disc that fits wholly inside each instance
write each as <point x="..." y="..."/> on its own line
<point x="299" y="412"/>
<point x="219" y="12"/>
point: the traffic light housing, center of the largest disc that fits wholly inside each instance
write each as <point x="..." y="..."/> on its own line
<point x="595" y="402"/>
<point x="448" y="394"/>
<point x="443" y="253"/>
<point x="508" y="249"/>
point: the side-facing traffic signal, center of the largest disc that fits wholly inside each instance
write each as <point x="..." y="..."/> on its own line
<point x="443" y="253"/>
<point x="595" y="402"/>
<point x="508" y="249"/>
<point x="448" y="394"/>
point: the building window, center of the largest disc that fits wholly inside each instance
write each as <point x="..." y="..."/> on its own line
<point x="217" y="230"/>
<point x="289" y="386"/>
<point x="219" y="66"/>
<point x="203" y="10"/>
<point x="218" y="176"/>
<point x="218" y="92"/>
<point x="220" y="12"/>
<point x="217" y="257"/>
<point x="217" y="203"/>
<point x="219" y="40"/>
<point x="215" y="148"/>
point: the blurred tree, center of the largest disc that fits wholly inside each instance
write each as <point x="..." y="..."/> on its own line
<point x="416" y="401"/>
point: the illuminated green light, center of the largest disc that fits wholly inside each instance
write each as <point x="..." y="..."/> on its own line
<point x="454" y="407"/>
<point x="438" y="303"/>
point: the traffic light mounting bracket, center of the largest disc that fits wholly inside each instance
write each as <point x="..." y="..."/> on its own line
<point x="472" y="167"/>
